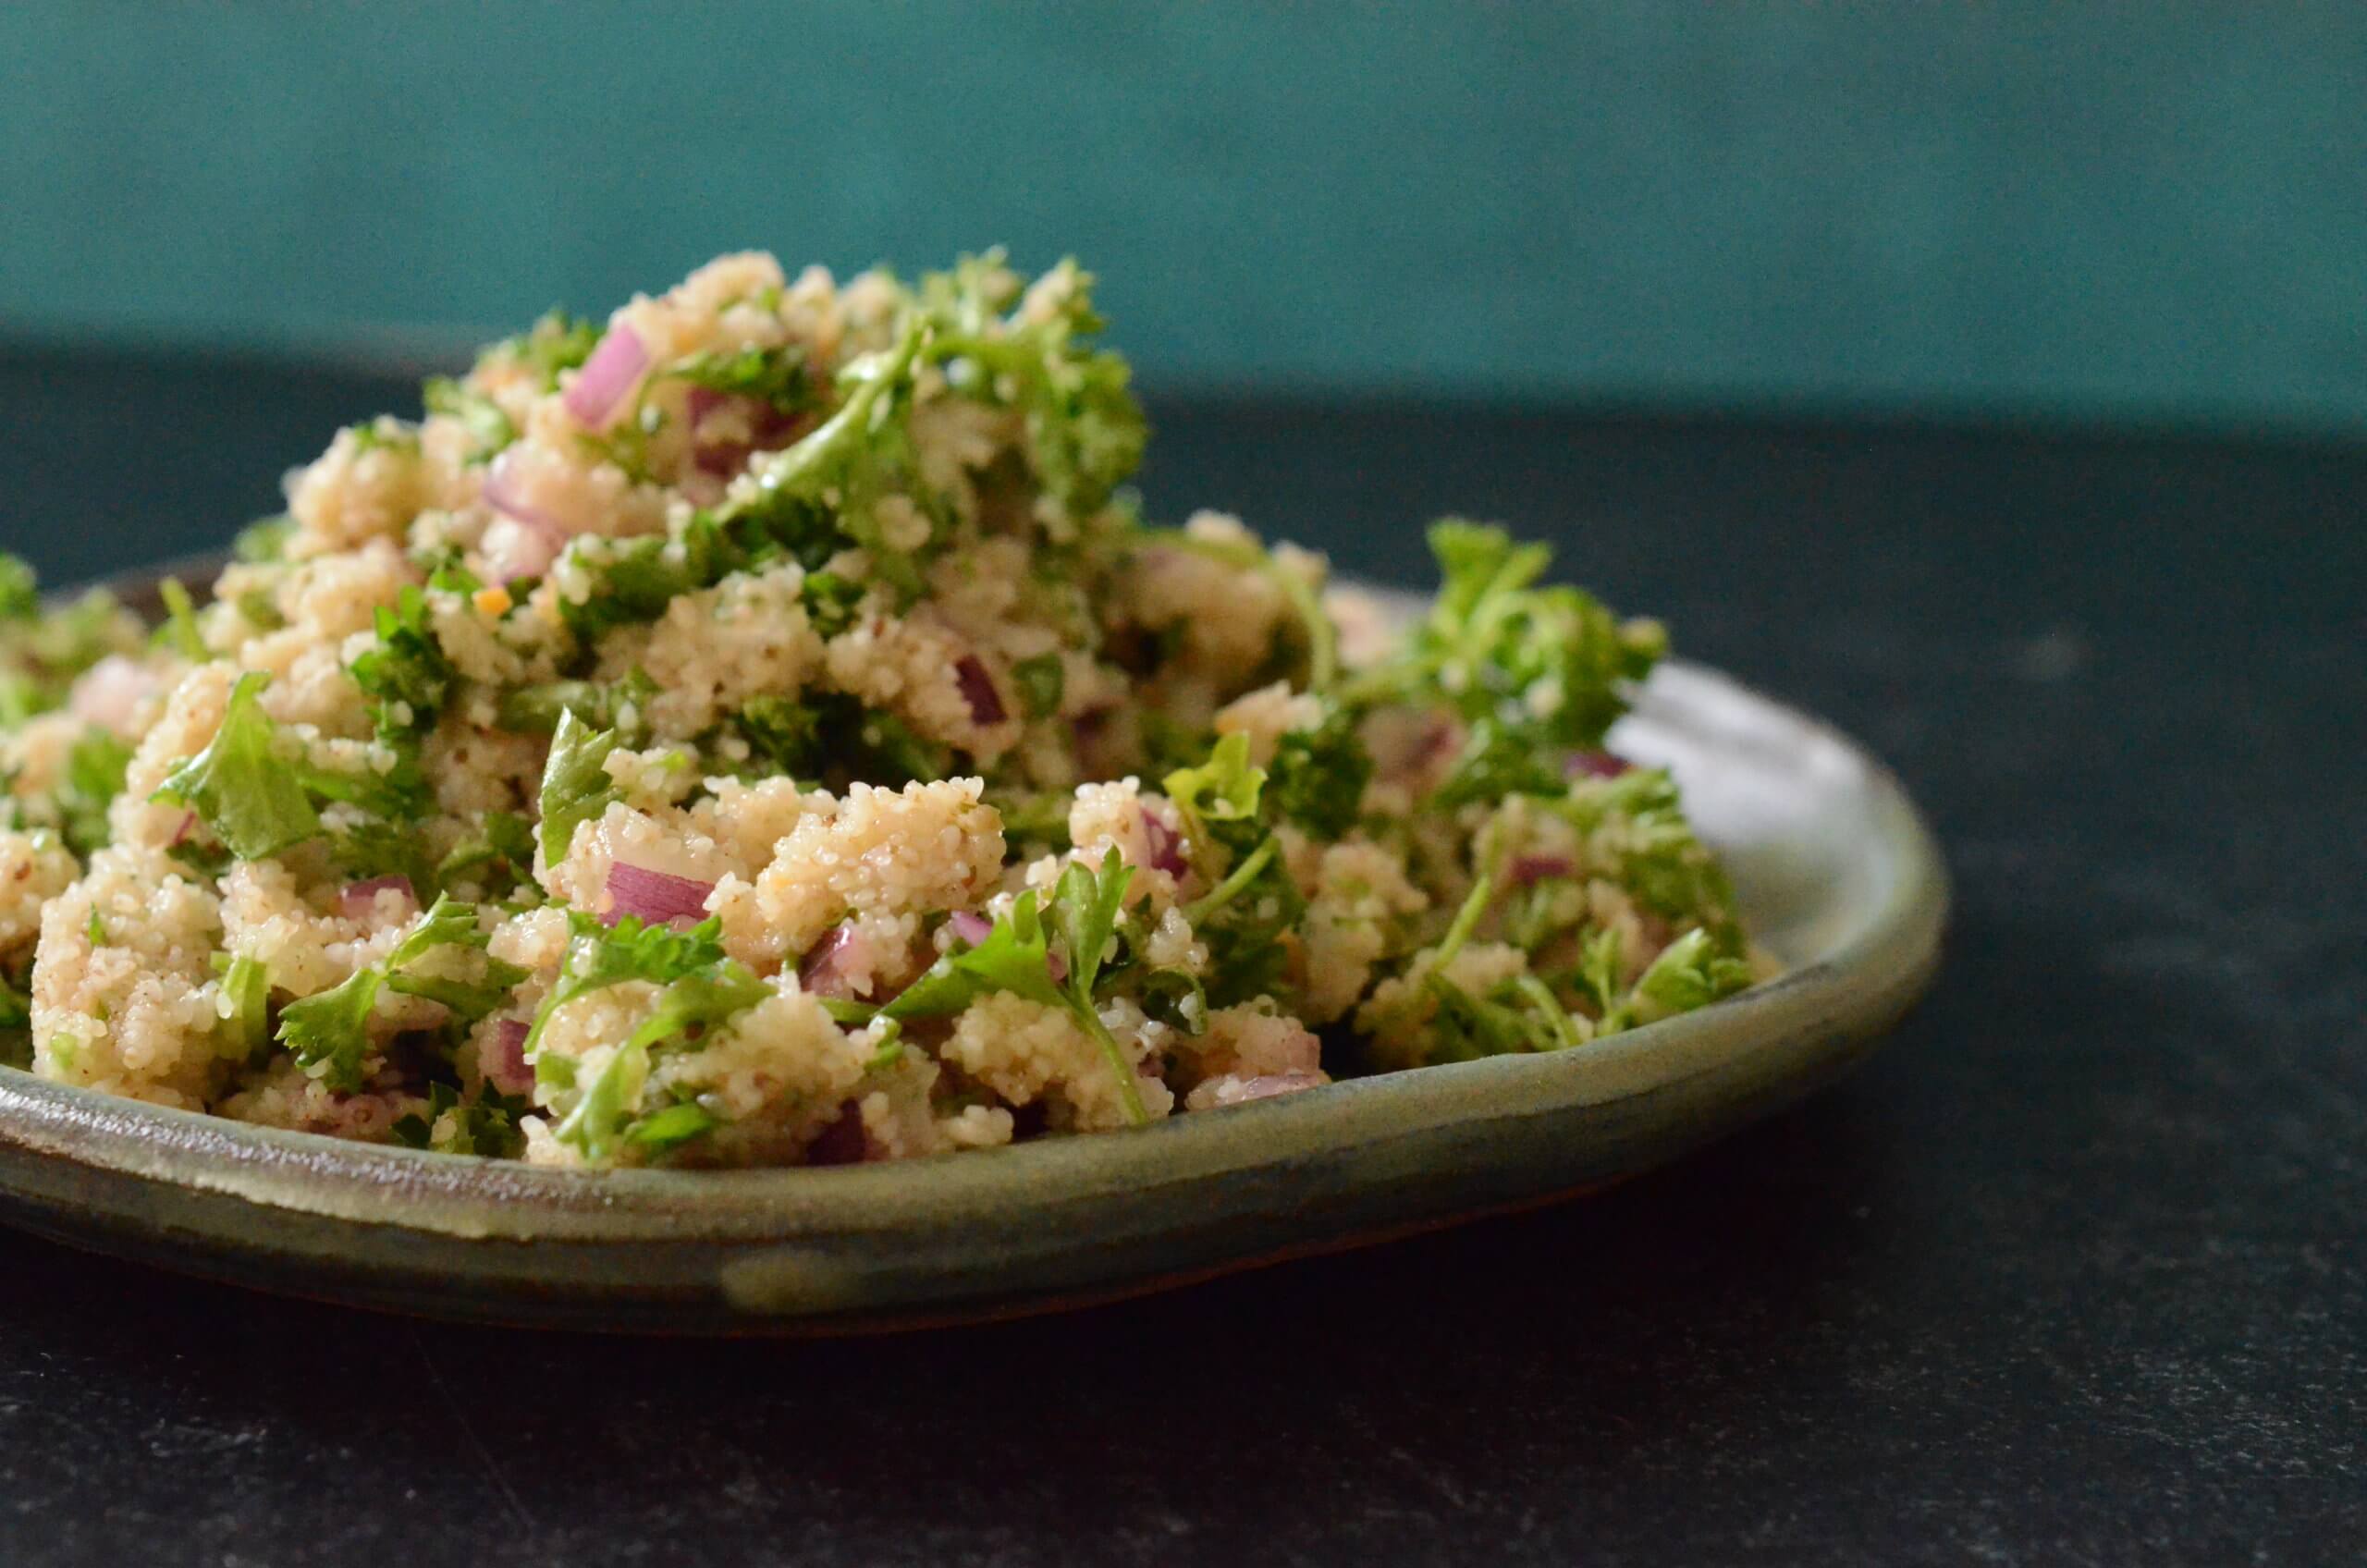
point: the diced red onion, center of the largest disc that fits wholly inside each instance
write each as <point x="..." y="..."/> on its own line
<point x="830" y="969"/>
<point x="523" y="540"/>
<point x="188" y="827"/>
<point x="599" y="389"/>
<point x="970" y="925"/>
<point x="1301" y="1052"/>
<point x="842" y="1142"/>
<point x="111" y="690"/>
<point x="1057" y="966"/>
<point x="359" y="898"/>
<point x="765" y="428"/>
<point x="978" y="690"/>
<point x="1595" y="765"/>
<point x="1166" y="846"/>
<point x="657" y="897"/>
<point x="1236" y="1089"/>
<point x="503" y="1060"/>
<point x="1440" y="737"/>
<point x="500" y="493"/>
<point x="515" y="550"/>
<point x="1527" y="869"/>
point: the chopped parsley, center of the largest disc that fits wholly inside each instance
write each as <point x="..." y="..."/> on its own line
<point x="1015" y="956"/>
<point x="576" y="786"/>
<point x="702" y="990"/>
<point x="93" y="778"/>
<point x="777" y="377"/>
<point x="240" y="785"/>
<point x="179" y="632"/>
<point x="490" y="430"/>
<point x="1041" y="682"/>
<point x="404" y="673"/>
<point x="329" y="1033"/>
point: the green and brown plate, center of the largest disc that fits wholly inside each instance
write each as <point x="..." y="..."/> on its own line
<point x="1838" y="876"/>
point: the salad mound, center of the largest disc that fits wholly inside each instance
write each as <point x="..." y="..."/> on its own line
<point x="759" y="730"/>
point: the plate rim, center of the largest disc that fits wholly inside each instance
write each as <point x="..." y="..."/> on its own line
<point x="103" y="1152"/>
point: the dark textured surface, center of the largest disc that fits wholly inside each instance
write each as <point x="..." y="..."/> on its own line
<point x="2075" y="1272"/>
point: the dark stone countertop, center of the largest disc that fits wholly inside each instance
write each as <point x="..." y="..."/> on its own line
<point x="2075" y="1271"/>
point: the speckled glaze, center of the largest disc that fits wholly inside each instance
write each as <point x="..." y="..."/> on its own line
<point x="1837" y="871"/>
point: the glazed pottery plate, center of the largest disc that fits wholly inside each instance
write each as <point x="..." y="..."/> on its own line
<point x="1836" y="872"/>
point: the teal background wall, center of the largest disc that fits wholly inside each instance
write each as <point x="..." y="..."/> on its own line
<point x="2095" y="212"/>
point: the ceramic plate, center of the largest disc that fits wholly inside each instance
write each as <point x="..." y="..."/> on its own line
<point x="1835" y="871"/>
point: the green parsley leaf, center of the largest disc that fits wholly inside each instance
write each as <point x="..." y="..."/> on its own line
<point x="20" y="589"/>
<point x="1085" y="910"/>
<point x="1318" y="777"/>
<point x="618" y="706"/>
<point x="1497" y="759"/>
<point x="385" y="434"/>
<point x="599" y="956"/>
<point x="673" y="1127"/>
<point x="179" y="632"/>
<point x="1221" y="792"/>
<point x="850" y="463"/>
<point x="368" y="851"/>
<point x="1689" y="972"/>
<point x="247" y="793"/>
<point x="784" y="733"/>
<point x="404" y="673"/>
<point x="556" y="342"/>
<point x="700" y="1001"/>
<point x="1467" y="1027"/>
<point x="1654" y="853"/>
<point x="93" y="778"/>
<point x="607" y="1103"/>
<point x="1597" y="978"/>
<point x="776" y="377"/>
<point x="245" y="1024"/>
<point x="703" y="989"/>
<point x="831" y="602"/>
<point x="576" y="787"/>
<point x="1015" y="956"/>
<point x="1086" y="430"/>
<point x="489" y="429"/>
<point x="265" y="541"/>
<point x="485" y="1126"/>
<point x="499" y="854"/>
<point x="1550" y="664"/>
<point x="1041" y="682"/>
<point x="15" y="1019"/>
<point x="329" y="1032"/>
<point x="451" y="924"/>
<point x="259" y="610"/>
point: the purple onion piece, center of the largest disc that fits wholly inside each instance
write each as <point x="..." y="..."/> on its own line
<point x="842" y="1142"/>
<point x="830" y="969"/>
<point x="657" y="897"/>
<point x="970" y="925"/>
<point x="503" y="1060"/>
<point x="1166" y="846"/>
<point x="359" y="898"/>
<point x="767" y="429"/>
<point x="978" y="690"/>
<point x="599" y="389"/>
<point x="1595" y="765"/>
<point x="1527" y="869"/>
<point x="1233" y="1089"/>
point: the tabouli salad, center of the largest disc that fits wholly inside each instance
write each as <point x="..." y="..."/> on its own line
<point x="758" y="729"/>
